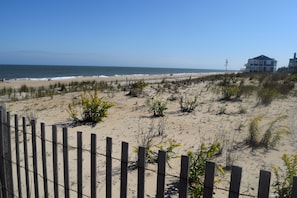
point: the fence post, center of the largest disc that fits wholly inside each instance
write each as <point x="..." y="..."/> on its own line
<point x="294" y="188"/>
<point x="124" y="169"/>
<point x="44" y="161"/>
<point x="161" y="174"/>
<point x="55" y="161"/>
<point x="79" y="164"/>
<point x="141" y="171"/>
<point x="235" y="182"/>
<point x="34" y="148"/>
<point x="184" y="177"/>
<point x="208" y="180"/>
<point x="108" y="167"/>
<point x="2" y="153"/>
<point x="6" y="166"/>
<point x="264" y="184"/>
<point x="66" y="162"/>
<point x="28" y="192"/>
<point x="17" y="155"/>
<point x="93" y="166"/>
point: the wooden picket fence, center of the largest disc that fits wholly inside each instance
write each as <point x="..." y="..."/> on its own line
<point x="7" y="179"/>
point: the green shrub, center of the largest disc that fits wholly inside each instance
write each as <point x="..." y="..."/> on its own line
<point x="272" y="135"/>
<point x="24" y="88"/>
<point x="157" y="106"/>
<point x="94" y="109"/>
<point x="247" y="90"/>
<point x="267" y="95"/>
<point x="230" y="92"/>
<point x="198" y="167"/>
<point x="188" y="105"/>
<point x="136" y="88"/>
<point x="284" y="183"/>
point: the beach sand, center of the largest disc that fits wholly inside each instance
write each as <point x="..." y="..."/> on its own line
<point x="129" y="119"/>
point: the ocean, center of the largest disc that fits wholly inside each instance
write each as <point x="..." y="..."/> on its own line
<point x="36" y="72"/>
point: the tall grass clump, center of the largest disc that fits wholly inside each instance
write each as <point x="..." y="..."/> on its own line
<point x="266" y="95"/>
<point x="188" y="104"/>
<point x="284" y="183"/>
<point x="271" y="136"/>
<point x="94" y="109"/>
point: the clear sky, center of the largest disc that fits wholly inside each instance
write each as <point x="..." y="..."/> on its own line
<point x="153" y="33"/>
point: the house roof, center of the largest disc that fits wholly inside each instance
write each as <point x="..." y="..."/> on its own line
<point x="262" y="57"/>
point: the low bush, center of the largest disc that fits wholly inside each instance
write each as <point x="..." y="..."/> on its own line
<point x="157" y="106"/>
<point x="94" y="109"/>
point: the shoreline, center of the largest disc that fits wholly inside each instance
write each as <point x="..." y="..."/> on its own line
<point x="36" y="82"/>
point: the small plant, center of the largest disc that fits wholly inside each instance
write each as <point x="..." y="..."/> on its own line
<point x="271" y="136"/>
<point x="172" y="144"/>
<point x="222" y="110"/>
<point x="32" y="115"/>
<point x="198" y="167"/>
<point x="188" y="105"/>
<point x="157" y="107"/>
<point x="94" y="109"/>
<point x="242" y="110"/>
<point x="152" y="154"/>
<point x="284" y="183"/>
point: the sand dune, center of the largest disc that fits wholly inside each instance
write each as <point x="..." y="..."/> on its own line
<point x="130" y="118"/>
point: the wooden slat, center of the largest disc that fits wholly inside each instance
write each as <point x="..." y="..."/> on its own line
<point x="2" y="153"/>
<point x="44" y="161"/>
<point x="79" y="164"/>
<point x="184" y="177"/>
<point x="108" y="167"/>
<point x="55" y="161"/>
<point x="264" y="184"/>
<point x="161" y="174"/>
<point x="26" y="158"/>
<point x="17" y="154"/>
<point x="124" y="169"/>
<point x="235" y="182"/>
<point x="34" y="149"/>
<point x="93" y="166"/>
<point x="209" y="179"/>
<point x="294" y="188"/>
<point x="8" y="164"/>
<point x="66" y="162"/>
<point x="141" y="172"/>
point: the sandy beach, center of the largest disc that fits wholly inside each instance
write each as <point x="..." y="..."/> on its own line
<point x="213" y="120"/>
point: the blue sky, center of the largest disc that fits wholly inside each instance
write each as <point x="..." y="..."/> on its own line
<point x="152" y="33"/>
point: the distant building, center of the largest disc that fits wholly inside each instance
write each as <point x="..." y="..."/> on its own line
<point x="261" y="64"/>
<point x="293" y="64"/>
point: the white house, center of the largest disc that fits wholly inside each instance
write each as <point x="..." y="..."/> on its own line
<point x="261" y="64"/>
<point x="293" y="64"/>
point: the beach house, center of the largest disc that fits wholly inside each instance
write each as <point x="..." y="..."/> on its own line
<point x="261" y="64"/>
<point x="293" y="64"/>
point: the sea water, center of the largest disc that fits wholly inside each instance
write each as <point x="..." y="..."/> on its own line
<point x="39" y="72"/>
